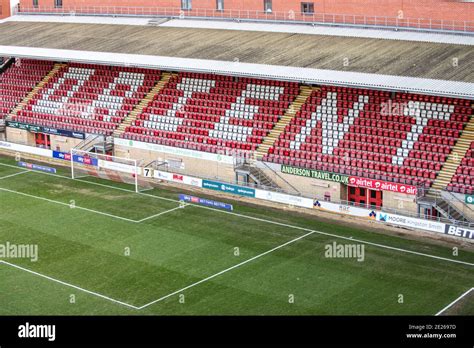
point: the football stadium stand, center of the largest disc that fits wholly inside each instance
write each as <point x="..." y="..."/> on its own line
<point x="347" y="131"/>
<point x="233" y="106"/>
<point x="18" y="81"/>
<point x="463" y="180"/>
<point x="213" y="113"/>
<point x="87" y="98"/>
<point x="398" y="137"/>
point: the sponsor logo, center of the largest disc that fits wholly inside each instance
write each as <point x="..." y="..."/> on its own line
<point x="411" y="222"/>
<point x="314" y="174"/>
<point x="48" y="130"/>
<point x="3" y="144"/>
<point x="177" y="177"/>
<point x="242" y="191"/>
<point x="195" y="182"/>
<point x="383" y="217"/>
<point x="77" y="135"/>
<point x="459" y="231"/>
<point x="37" y="167"/>
<point x="205" y="202"/>
<point x="382" y="185"/>
<point x="160" y="175"/>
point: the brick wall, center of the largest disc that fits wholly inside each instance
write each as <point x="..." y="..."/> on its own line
<point x="4" y="9"/>
<point x="434" y="9"/>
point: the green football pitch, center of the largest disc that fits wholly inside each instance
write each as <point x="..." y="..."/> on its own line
<point x="106" y="250"/>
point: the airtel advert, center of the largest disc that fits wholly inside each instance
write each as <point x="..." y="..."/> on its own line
<point x="382" y="185"/>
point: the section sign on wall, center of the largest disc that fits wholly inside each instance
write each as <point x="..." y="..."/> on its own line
<point x="234" y="189"/>
<point x="382" y="185"/>
<point x="469" y="199"/>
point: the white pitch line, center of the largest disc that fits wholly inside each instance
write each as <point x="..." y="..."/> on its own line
<point x="93" y="183"/>
<point x="290" y="242"/>
<point x="262" y="220"/>
<point x="259" y="219"/>
<point x="227" y="270"/>
<point x="342" y="237"/>
<point x="67" y="205"/>
<point x="159" y="214"/>
<point x="452" y="303"/>
<point x="15" y="174"/>
<point x="68" y="284"/>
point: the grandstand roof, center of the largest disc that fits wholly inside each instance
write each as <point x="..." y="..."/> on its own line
<point x="282" y="73"/>
<point x="367" y="55"/>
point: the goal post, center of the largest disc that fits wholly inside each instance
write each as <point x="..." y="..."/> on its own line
<point x="125" y="170"/>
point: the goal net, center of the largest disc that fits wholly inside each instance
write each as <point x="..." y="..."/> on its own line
<point x="125" y="170"/>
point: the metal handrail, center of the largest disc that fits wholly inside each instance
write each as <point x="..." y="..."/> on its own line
<point x="428" y="24"/>
<point x="451" y="195"/>
<point x="281" y="177"/>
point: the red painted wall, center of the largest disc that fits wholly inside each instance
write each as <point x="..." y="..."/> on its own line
<point x="4" y="9"/>
<point x="434" y="9"/>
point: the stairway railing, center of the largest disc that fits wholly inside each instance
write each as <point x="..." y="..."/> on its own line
<point x="296" y="191"/>
<point x="447" y="196"/>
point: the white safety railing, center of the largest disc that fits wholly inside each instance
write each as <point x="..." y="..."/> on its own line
<point x="252" y="15"/>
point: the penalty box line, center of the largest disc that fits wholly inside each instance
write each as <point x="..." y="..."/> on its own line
<point x="67" y="205"/>
<point x="78" y="207"/>
<point x="164" y="297"/>
<point x="257" y="219"/>
<point x="163" y="213"/>
<point x="68" y="285"/>
<point x="90" y="210"/>
<point x="262" y="220"/>
<point x="14" y="174"/>
<point x="267" y="221"/>
<point x="454" y="302"/>
<point x="102" y="185"/>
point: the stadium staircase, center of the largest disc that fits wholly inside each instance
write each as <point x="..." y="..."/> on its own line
<point x="455" y="157"/>
<point x="305" y="93"/>
<point x="96" y="143"/>
<point x="165" y="77"/>
<point x="444" y="202"/>
<point x="257" y="175"/>
<point x="5" y="64"/>
<point x="34" y="91"/>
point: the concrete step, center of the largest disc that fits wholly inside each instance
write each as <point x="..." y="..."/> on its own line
<point x="298" y="102"/>
<point x="132" y="116"/>
<point x="455" y="157"/>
